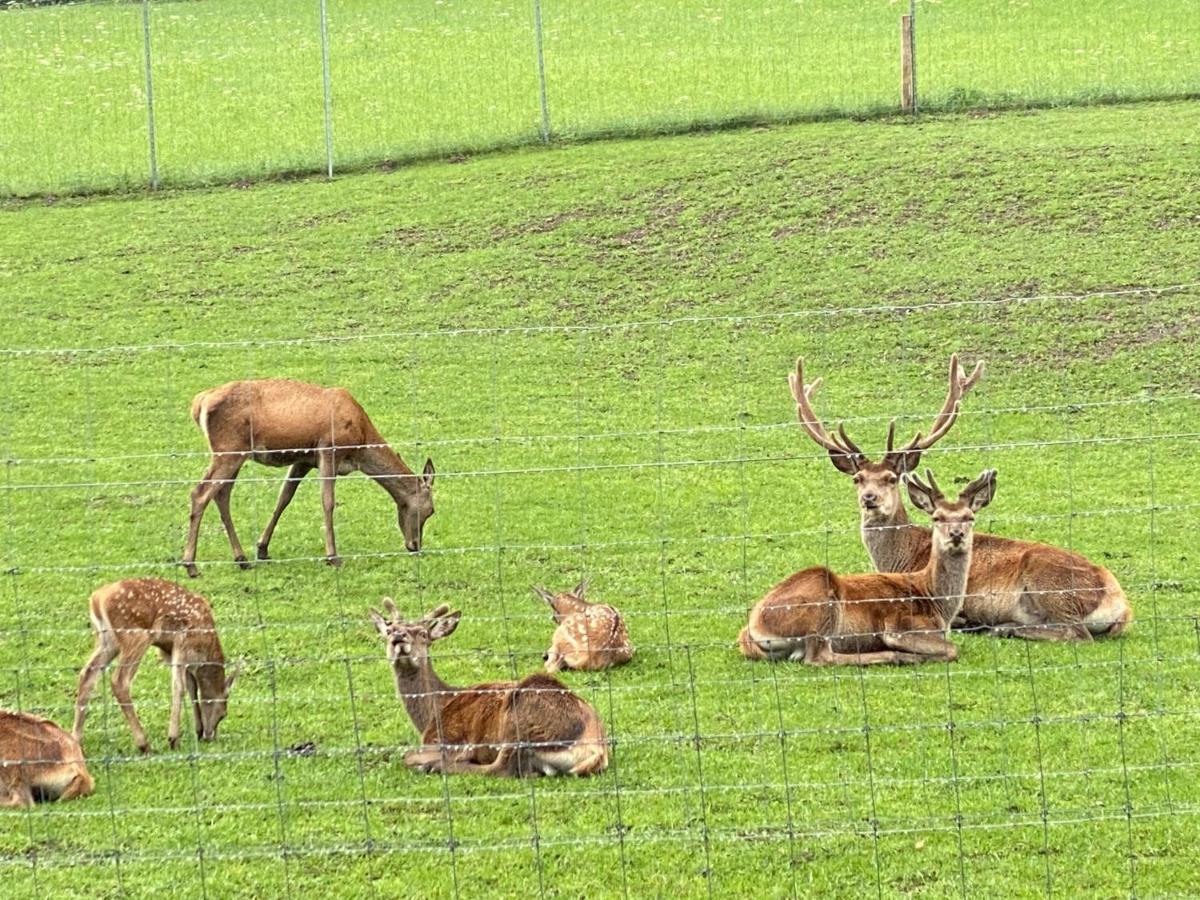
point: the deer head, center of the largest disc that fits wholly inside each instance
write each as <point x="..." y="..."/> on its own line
<point x="212" y="689"/>
<point x="878" y="482"/>
<point x="953" y="520"/>
<point x="408" y="642"/>
<point x="416" y="508"/>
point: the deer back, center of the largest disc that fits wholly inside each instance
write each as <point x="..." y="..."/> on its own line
<point x="593" y="638"/>
<point x="174" y="618"/>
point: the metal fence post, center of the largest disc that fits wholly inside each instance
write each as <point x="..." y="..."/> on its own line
<point x="541" y="67"/>
<point x="152" y="136"/>
<point x="328" y="86"/>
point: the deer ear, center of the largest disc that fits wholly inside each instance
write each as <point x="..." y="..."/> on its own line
<point x="580" y="588"/>
<point x="231" y="678"/>
<point x="846" y="463"/>
<point x="979" y="493"/>
<point x="544" y="594"/>
<point x="427" y="473"/>
<point x="381" y="624"/>
<point x="920" y="495"/>
<point x="444" y="626"/>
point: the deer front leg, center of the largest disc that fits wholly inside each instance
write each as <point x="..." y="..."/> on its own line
<point x="194" y="696"/>
<point x="177" y="687"/>
<point x="290" y="483"/>
<point x="328" y="472"/>
<point x="1055" y="632"/>
<point x="820" y="653"/>
<point x="105" y="652"/>
<point x="224" y="468"/>
<point x="927" y="646"/>
<point x="122" y="678"/>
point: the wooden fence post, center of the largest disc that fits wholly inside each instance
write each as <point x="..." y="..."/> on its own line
<point x="908" y="99"/>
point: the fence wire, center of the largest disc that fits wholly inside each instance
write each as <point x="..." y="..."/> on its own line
<point x="667" y="468"/>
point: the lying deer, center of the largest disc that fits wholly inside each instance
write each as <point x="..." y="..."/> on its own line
<point x="277" y="422"/>
<point x="39" y="762"/>
<point x="534" y="726"/>
<point x="1016" y="588"/>
<point x="589" y="636"/>
<point x="132" y="616"/>
<point x="825" y="619"/>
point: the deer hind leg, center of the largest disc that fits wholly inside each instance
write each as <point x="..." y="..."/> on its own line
<point x="328" y="472"/>
<point x="818" y="652"/>
<point x="290" y="483"/>
<point x="224" y="468"/>
<point x="222" y="498"/>
<point x="122" y="678"/>
<point x="15" y="791"/>
<point x="106" y="651"/>
<point x="82" y="785"/>
<point x="926" y="646"/>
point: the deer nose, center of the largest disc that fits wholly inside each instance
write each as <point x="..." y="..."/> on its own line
<point x="546" y="657"/>
<point x="870" y="500"/>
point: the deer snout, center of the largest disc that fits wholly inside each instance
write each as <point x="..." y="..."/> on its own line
<point x="957" y="536"/>
<point x="870" y="501"/>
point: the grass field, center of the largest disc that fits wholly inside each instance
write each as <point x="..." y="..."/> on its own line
<point x="238" y="87"/>
<point x="472" y="305"/>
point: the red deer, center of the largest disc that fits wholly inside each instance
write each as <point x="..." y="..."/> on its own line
<point x="534" y="726"/>
<point x="824" y="619"/>
<point x="589" y="636"/>
<point x="132" y="616"/>
<point x="277" y="422"/>
<point x="39" y="762"/>
<point x="1015" y="588"/>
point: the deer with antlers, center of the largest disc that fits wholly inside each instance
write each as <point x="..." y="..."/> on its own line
<point x="535" y="726"/>
<point x="1015" y="588"/>
<point x="821" y="618"/>
<point x="39" y="762"/>
<point x="278" y="422"/>
<point x="132" y="616"/>
<point x="589" y="636"/>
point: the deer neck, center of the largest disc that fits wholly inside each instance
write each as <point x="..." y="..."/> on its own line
<point x="381" y="463"/>
<point x="947" y="578"/>
<point x="423" y="693"/>
<point x="895" y="544"/>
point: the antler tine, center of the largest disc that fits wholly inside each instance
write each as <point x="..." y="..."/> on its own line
<point x="389" y="607"/>
<point x="891" y="434"/>
<point x="804" y="412"/>
<point x="935" y="491"/>
<point x="848" y="444"/>
<point x="435" y="613"/>
<point x="959" y="386"/>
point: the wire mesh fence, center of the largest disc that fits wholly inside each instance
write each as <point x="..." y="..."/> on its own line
<point x="105" y="95"/>
<point x="662" y="460"/>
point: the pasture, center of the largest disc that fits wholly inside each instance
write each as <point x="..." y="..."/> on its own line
<point x="591" y="342"/>
<point x="239" y="92"/>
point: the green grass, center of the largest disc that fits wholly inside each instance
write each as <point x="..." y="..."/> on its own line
<point x="238" y="87"/>
<point x="662" y="461"/>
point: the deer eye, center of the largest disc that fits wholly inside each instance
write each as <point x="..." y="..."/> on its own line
<point x="890" y="478"/>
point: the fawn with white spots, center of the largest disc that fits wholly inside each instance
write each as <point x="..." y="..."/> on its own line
<point x="822" y="619"/>
<point x="589" y="635"/>
<point x="39" y="762"/>
<point x="278" y="422"/>
<point x="132" y="616"/>
<point x="1016" y="588"/>
<point x="535" y="726"/>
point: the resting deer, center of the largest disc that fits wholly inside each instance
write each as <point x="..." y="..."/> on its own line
<point x="1015" y="588"/>
<point x="277" y="422"/>
<point x="589" y="636"/>
<point x="825" y="619"/>
<point x="534" y="726"/>
<point x="132" y="616"/>
<point x="39" y="762"/>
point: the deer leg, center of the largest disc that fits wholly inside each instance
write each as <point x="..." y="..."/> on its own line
<point x="177" y="679"/>
<point x="222" y="498"/>
<point x="106" y="651"/>
<point x="820" y="653"/>
<point x="1060" y="631"/>
<point x="194" y="694"/>
<point x="16" y="796"/>
<point x="328" y="472"/>
<point x="925" y="645"/>
<point x="554" y="661"/>
<point x="81" y="785"/>
<point x="122" y="678"/>
<point x="292" y="481"/>
<point x="223" y="467"/>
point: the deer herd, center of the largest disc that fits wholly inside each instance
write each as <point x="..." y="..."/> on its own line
<point x="926" y="582"/>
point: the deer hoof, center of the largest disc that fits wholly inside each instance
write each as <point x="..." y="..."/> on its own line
<point x="262" y="553"/>
<point x="144" y="749"/>
<point x="242" y="562"/>
<point x="335" y="561"/>
<point x="173" y="743"/>
<point x="192" y="571"/>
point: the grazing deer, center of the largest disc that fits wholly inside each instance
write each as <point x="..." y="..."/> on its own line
<point x="1015" y="588"/>
<point x="130" y="617"/>
<point x="825" y="619"/>
<point x="534" y="726"/>
<point x="589" y="636"/>
<point x="39" y="762"/>
<point x="277" y="422"/>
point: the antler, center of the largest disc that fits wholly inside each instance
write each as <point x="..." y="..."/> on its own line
<point x="960" y="386"/>
<point x="932" y="490"/>
<point x="839" y="446"/>
<point x="436" y="613"/>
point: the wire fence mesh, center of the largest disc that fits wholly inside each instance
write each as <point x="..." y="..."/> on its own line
<point x="662" y="460"/>
<point x="107" y="95"/>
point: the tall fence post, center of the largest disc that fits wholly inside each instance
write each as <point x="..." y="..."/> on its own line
<point x="908" y="100"/>
<point x="327" y="81"/>
<point x="152" y="136"/>
<point x="912" y="51"/>
<point x="541" y="67"/>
